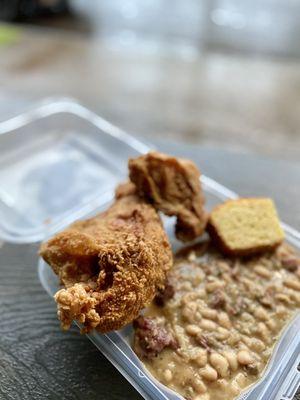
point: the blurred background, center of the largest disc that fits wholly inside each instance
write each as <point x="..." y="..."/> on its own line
<point x="220" y="73"/>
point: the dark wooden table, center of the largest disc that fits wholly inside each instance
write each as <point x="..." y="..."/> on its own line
<point x="37" y="360"/>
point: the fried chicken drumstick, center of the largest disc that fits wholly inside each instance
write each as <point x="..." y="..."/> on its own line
<point x="111" y="265"/>
<point x="172" y="185"/>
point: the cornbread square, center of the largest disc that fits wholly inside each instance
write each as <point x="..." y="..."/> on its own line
<point x="245" y="226"/>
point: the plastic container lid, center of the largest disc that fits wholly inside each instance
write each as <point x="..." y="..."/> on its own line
<point x="58" y="162"/>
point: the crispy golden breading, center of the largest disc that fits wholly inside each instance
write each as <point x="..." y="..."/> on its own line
<point x="125" y="189"/>
<point x="111" y="265"/>
<point x="172" y="185"/>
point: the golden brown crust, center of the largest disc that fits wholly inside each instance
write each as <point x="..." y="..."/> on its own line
<point x="111" y="265"/>
<point x="221" y="245"/>
<point x="220" y="241"/>
<point x="172" y="185"/>
<point x="125" y="189"/>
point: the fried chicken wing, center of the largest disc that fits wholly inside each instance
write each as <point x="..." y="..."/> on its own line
<point x="111" y="265"/>
<point x="172" y="185"/>
<point x="125" y="189"/>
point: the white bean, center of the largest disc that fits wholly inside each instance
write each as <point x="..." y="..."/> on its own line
<point x="201" y="293"/>
<point x="262" y="271"/>
<point x="212" y="286"/>
<point x="224" y="320"/>
<point x="208" y="373"/>
<point x="187" y="286"/>
<point x="296" y="297"/>
<point x="261" y="314"/>
<point x="199" y="386"/>
<point x="244" y="357"/>
<point x="271" y="324"/>
<point x="220" y="363"/>
<point x="283" y="297"/>
<point x="234" y="338"/>
<point x="192" y="256"/>
<point x="168" y="375"/>
<point x="208" y="313"/>
<point x="223" y="265"/>
<point x="222" y="333"/>
<point x="189" y="310"/>
<point x="281" y="311"/>
<point x="192" y="330"/>
<point x="232" y="360"/>
<point x="201" y="358"/>
<point x="226" y="277"/>
<point x="292" y="284"/>
<point x="247" y="317"/>
<point x="247" y="340"/>
<point x="208" y="324"/>
<point x="262" y="330"/>
<point x="257" y="345"/>
<point x="188" y="299"/>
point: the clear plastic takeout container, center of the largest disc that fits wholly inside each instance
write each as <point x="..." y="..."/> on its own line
<point x="60" y="162"/>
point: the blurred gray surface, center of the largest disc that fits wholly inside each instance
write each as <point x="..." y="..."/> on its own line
<point x="195" y="95"/>
<point x="37" y="360"/>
